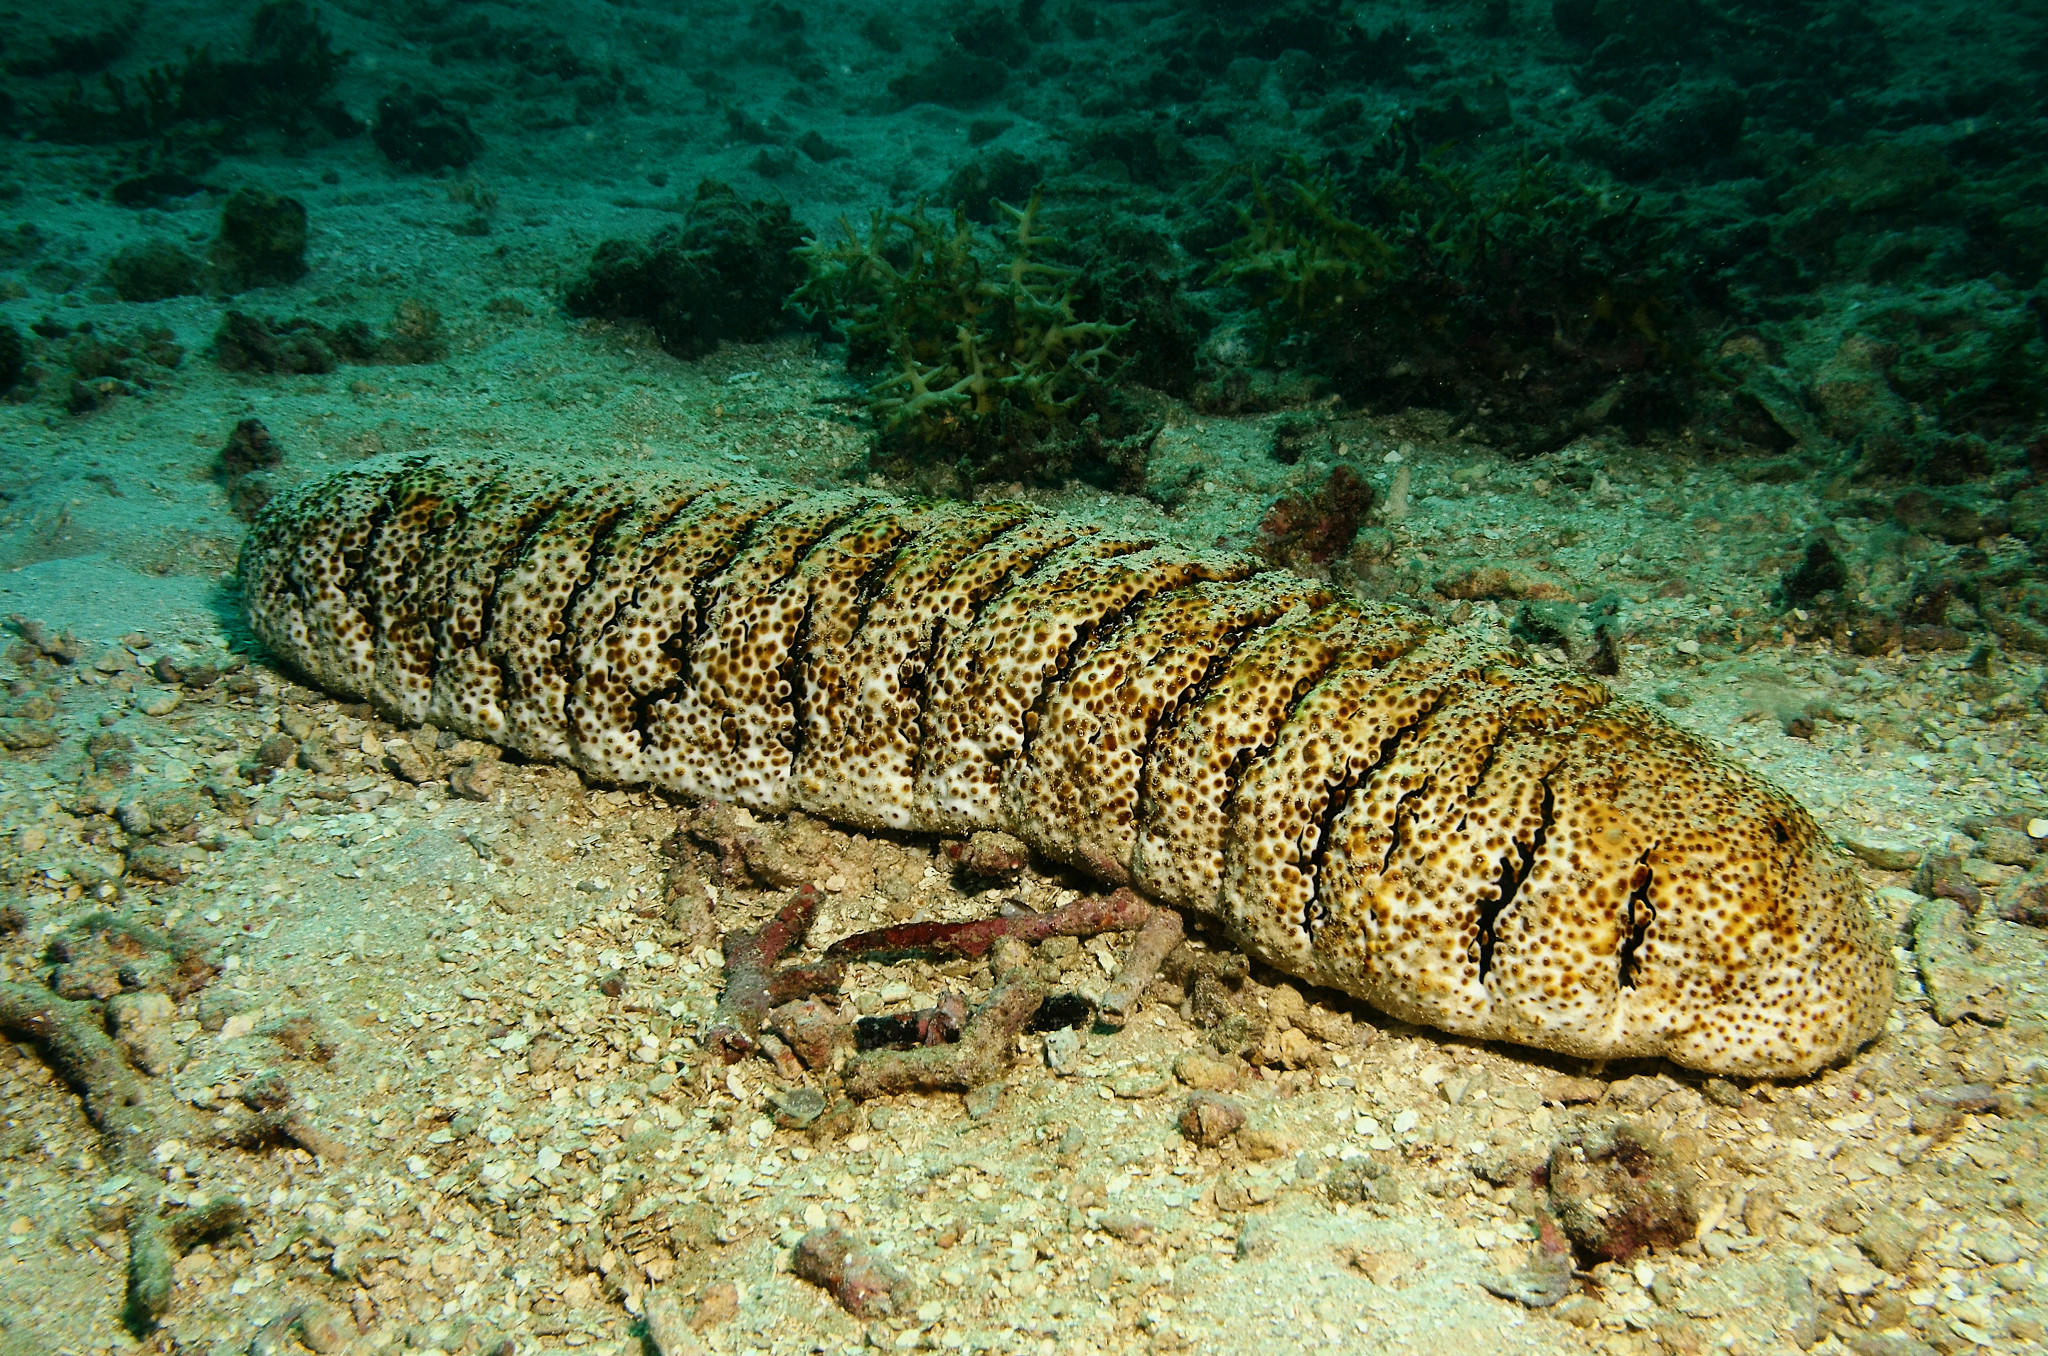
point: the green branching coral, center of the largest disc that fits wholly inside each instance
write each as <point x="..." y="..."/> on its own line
<point x="1300" y="259"/>
<point x="985" y="367"/>
<point x="1531" y="309"/>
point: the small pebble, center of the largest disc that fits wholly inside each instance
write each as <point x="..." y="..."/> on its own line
<point x="796" y="1108"/>
<point x="1255" y="1239"/>
<point x="1209" y="1119"/>
<point x="665" y="1327"/>
<point x="1995" y="1249"/>
<point x="1889" y="1240"/>
<point x="865" y="1285"/>
<point x="1721" y="1092"/>
<point x="406" y="761"/>
<point x="317" y="755"/>
<point x="478" y="781"/>
<point x="1207" y="1072"/>
<point x="1886" y="854"/>
<point x="1133" y="1229"/>
<point x="1841" y="1216"/>
<point x="1265" y="1143"/>
<point x="984" y="1101"/>
<point x="277" y="751"/>
<point x="1140" y="1085"/>
<point x="324" y="1327"/>
<point x="1062" y="1050"/>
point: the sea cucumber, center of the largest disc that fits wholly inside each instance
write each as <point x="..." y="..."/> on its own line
<point x="1418" y="816"/>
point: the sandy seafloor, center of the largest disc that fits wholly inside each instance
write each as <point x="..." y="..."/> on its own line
<point x="435" y="947"/>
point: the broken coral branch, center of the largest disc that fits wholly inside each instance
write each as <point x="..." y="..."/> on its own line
<point x="939" y="1024"/>
<point x="980" y="1055"/>
<point x="752" y="983"/>
<point x="274" y="1119"/>
<point x="1160" y="933"/>
<point x="1117" y="912"/>
<point x="133" y="1118"/>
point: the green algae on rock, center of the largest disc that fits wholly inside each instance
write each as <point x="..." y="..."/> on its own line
<point x="726" y="273"/>
<point x="262" y="240"/>
<point x="153" y="271"/>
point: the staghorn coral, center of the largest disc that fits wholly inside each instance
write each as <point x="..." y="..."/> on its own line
<point x="986" y="366"/>
<point x="1418" y="817"/>
<point x="1301" y="261"/>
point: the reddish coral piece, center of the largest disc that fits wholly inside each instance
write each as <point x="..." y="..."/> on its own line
<point x="864" y="1284"/>
<point x="981" y="1054"/>
<point x="753" y="985"/>
<point x="1116" y="912"/>
<point x="1315" y="527"/>
<point x="1617" y="1192"/>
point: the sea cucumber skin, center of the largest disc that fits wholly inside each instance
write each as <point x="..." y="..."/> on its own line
<point x="1419" y="817"/>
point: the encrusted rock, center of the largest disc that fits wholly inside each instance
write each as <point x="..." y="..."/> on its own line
<point x="2026" y="899"/>
<point x="864" y="1284"/>
<point x="1362" y="1179"/>
<point x="1208" y="1119"/>
<point x="277" y="750"/>
<point x="1209" y="1073"/>
<point x="1131" y="1228"/>
<point x="1721" y="1092"/>
<point x="2006" y="846"/>
<point x="152" y="861"/>
<point x="1958" y="986"/>
<point x="402" y="757"/>
<point x="1063" y="1050"/>
<point x="477" y="781"/>
<point x="1941" y="876"/>
<point x="989" y="856"/>
<point x="1886" y="854"/>
<point x="1265" y="1142"/>
<point x="1889" y="1240"/>
<point x="1617" y="1191"/>
<point x="1545" y="1279"/>
<point x="796" y="1108"/>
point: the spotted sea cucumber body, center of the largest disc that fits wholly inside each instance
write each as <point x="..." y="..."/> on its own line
<point x="1416" y="816"/>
